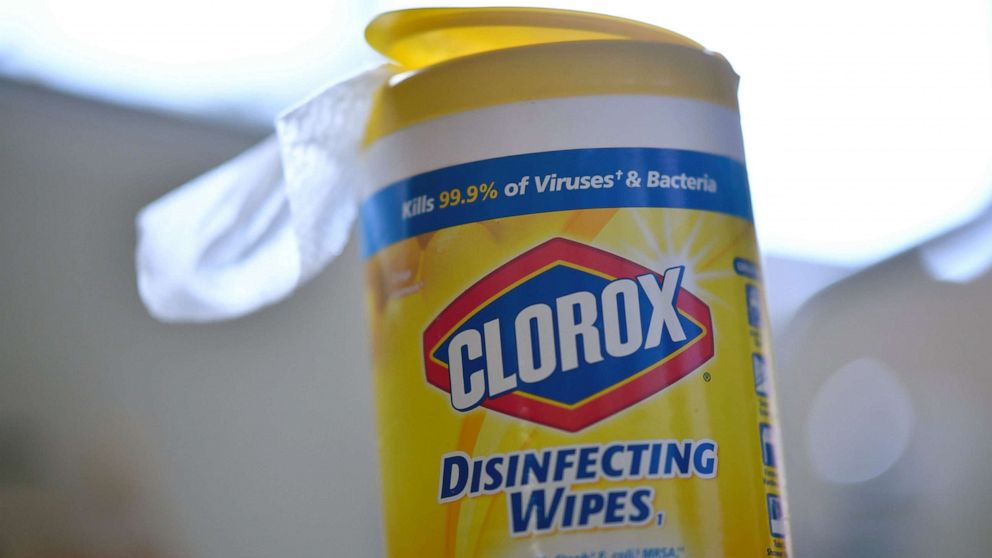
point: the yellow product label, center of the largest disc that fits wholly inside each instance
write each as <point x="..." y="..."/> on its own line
<point x="571" y="359"/>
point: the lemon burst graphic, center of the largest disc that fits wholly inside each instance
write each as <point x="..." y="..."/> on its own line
<point x="700" y="242"/>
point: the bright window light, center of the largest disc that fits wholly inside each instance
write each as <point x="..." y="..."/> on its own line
<point x="233" y="60"/>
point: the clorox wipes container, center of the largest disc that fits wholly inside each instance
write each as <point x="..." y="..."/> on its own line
<point x="570" y="350"/>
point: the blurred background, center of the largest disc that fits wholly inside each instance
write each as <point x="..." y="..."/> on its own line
<point x="868" y="129"/>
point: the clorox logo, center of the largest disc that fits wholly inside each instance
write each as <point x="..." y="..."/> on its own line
<point x="566" y="335"/>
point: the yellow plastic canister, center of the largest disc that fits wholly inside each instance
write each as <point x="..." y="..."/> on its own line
<point x="570" y="348"/>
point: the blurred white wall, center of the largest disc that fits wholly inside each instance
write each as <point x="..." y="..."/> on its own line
<point x="123" y="437"/>
<point x="884" y="390"/>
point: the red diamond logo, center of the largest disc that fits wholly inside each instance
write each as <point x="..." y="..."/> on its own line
<point x="566" y="335"/>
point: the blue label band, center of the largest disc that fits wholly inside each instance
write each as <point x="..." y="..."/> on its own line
<point x="553" y="181"/>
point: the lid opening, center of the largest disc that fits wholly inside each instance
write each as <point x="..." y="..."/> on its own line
<point x="421" y="37"/>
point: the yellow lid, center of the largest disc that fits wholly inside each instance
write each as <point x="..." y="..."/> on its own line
<point x="460" y="59"/>
<point x="422" y="37"/>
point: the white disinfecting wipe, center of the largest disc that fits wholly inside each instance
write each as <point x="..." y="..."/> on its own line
<point x="248" y="233"/>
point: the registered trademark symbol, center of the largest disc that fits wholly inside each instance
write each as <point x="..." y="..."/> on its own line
<point x="707" y="377"/>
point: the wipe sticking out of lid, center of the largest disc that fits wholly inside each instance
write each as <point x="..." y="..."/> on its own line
<point x="248" y="233"/>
